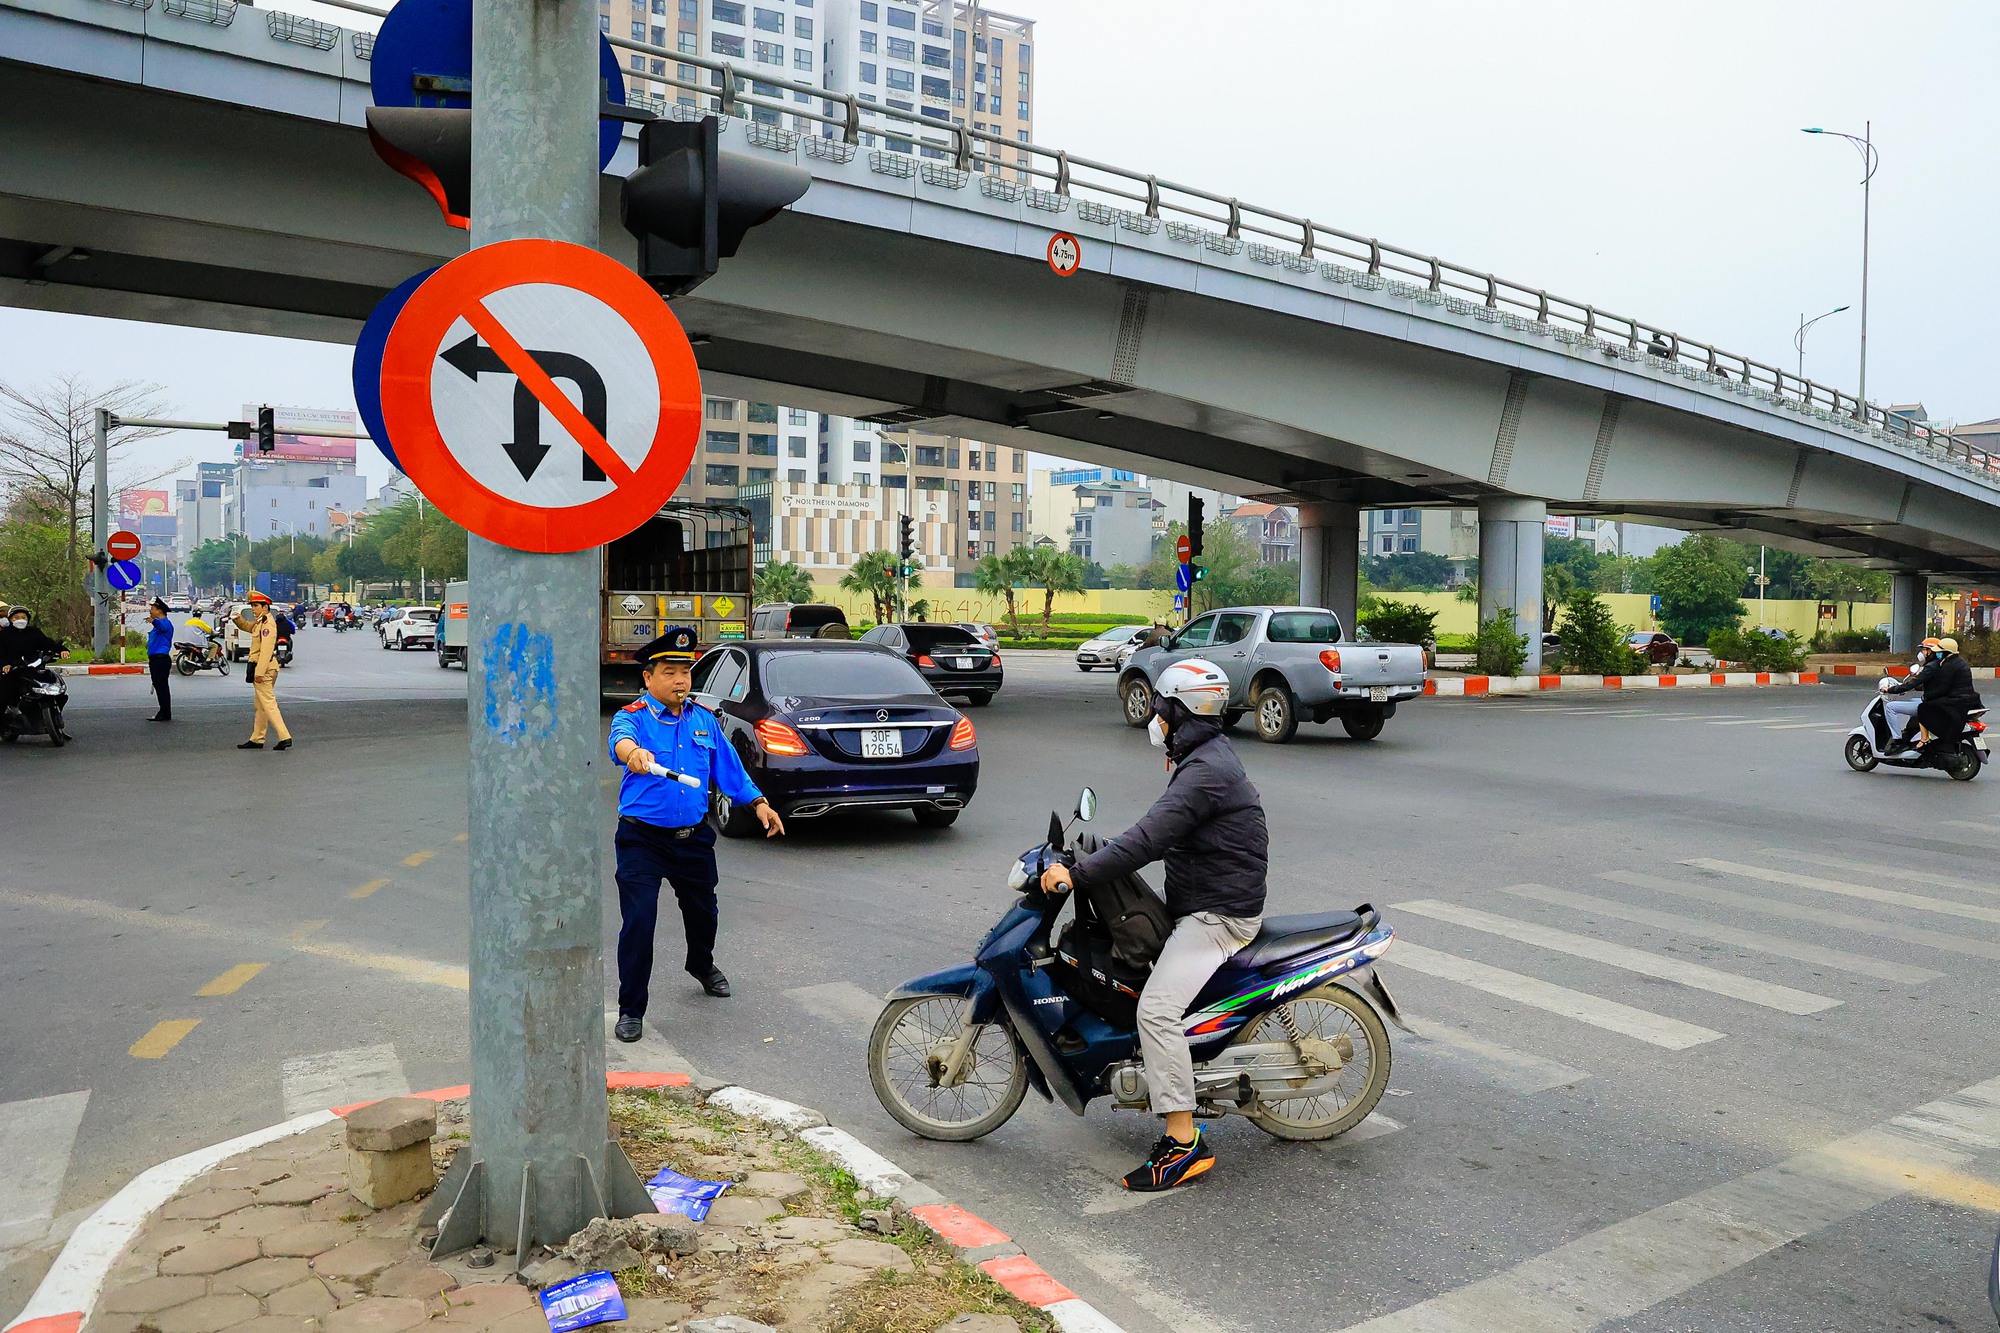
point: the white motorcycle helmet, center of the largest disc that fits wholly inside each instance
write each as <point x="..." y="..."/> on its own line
<point x="1200" y="687"/>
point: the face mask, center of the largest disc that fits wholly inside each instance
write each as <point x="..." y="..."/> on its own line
<point x="1156" y="730"/>
<point x="22" y="623"/>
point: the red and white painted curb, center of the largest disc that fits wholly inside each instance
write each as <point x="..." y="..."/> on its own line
<point x="1454" y="686"/>
<point x="71" y="1289"/>
<point x="1978" y="673"/>
<point x="101" y="669"/>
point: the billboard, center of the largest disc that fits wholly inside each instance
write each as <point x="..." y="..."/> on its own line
<point x="138" y="504"/>
<point x="1560" y="525"/>
<point x="295" y="434"/>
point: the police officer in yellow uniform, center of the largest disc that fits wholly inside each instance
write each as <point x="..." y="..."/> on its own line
<point x="263" y="672"/>
<point x="663" y="833"/>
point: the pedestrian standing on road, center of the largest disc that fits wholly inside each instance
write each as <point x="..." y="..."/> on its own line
<point x="160" y="659"/>
<point x="663" y="833"/>
<point x="264" y="676"/>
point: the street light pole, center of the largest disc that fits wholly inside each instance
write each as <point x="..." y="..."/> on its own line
<point x="1799" y="338"/>
<point x="1864" y="143"/>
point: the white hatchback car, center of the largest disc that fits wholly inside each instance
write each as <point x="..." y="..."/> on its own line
<point x="411" y="627"/>
<point x="1103" y="650"/>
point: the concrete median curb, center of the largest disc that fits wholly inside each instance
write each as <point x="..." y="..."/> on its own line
<point x="1472" y="686"/>
<point x="1850" y="669"/>
<point x="74" y="1283"/>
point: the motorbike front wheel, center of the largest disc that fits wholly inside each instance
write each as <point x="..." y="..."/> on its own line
<point x="1860" y="754"/>
<point x="52" y="724"/>
<point x="1329" y="1017"/>
<point x="185" y="665"/>
<point x="906" y="1057"/>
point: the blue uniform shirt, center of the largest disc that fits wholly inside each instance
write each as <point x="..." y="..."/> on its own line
<point x="161" y="640"/>
<point x="692" y="744"/>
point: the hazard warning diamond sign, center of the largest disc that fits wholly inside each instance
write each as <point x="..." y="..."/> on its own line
<point x="541" y="395"/>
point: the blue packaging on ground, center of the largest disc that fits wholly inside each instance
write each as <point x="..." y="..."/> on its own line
<point x="675" y="1193"/>
<point x="580" y="1302"/>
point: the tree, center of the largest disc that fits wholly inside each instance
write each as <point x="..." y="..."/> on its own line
<point x="1408" y="571"/>
<point x="416" y="541"/>
<point x="1057" y="572"/>
<point x="213" y="563"/>
<point x="1557" y="584"/>
<point x="1096" y="575"/>
<point x="1122" y="576"/>
<point x="1274" y="584"/>
<point x="1000" y="575"/>
<point x="1623" y="573"/>
<point x="874" y="575"/>
<point x="48" y="438"/>
<point x="1577" y="556"/>
<point x="36" y="571"/>
<point x="781" y="581"/>
<point x="1697" y="580"/>
<point x="1837" y="581"/>
<point x="1592" y="642"/>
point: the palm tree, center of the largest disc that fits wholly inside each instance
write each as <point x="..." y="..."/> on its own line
<point x="999" y="576"/>
<point x="874" y="574"/>
<point x="781" y="581"/>
<point x="1057" y="571"/>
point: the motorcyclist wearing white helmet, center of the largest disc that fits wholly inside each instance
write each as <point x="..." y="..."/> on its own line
<point x="1208" y="828"/>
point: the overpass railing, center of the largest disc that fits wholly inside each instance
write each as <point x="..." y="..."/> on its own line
<point x="1057" y="181"/>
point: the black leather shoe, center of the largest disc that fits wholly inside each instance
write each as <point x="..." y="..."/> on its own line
<point x="715" y="983"/>
<point x="157" y="718"/>
<point x="629" y="1028"/>
<point x="251" y="745"/>
<point x="283" y="745"/>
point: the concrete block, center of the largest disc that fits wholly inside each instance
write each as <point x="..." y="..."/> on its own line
<point x="382" y="1179"/>
<point x="207" y="1205"/>
<point x="360" y="1259"/>
<point x="152" y="1295"/>
<point x="396" y="1122"/>
<point x="414" y="1278"/>
<point x="304" y="1240"/>
<point x="306" y="1300"/>
<point x="299" y="1189"/>
<point x="261" y="1277"/>
<point x="209" y="1314"/>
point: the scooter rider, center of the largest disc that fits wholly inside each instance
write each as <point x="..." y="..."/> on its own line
<point x="1903" y="712"/>
<point x="1208" y="827"/>
<point x="1948" y="693"/>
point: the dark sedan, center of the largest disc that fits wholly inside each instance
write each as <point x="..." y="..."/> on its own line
<point x="952" y="657"/>
<point x="828" y="725"/>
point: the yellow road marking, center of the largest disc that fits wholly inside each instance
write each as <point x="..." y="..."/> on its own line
<point x="410" y="969"/>
<point x="235" y="979"/>
<point x="305" y="928"/>
<point x="166" y="1035"/>
<point x="367" y="888"/>
<point x="1927" y="1178"/>
<point x="418" y="858"/>
<point x="462" y="837"/>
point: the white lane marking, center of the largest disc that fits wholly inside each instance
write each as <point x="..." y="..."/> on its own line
<point x="1653" y="1029"/>
<point x="1888" y="930"/>
<point x="1870" y="868"/>
<point x="1696" y="928"/>
<point x="841" y="1003"/>
<point x="337" y="1078"/>
<point x="1917" y="901"/>
<point x="1617" y="1271"/>
<point x="1149" y="1290"/>
<point x="1793" y="726"/>
<point x="1515" y="1070"/>
<point x="36" y="1139"/>
<point x="1374" y="1126"/>
<point x="1696" y="976"/>
<point x="650" y="1054"/>
<point x="1976" y="826"/>
<point x="1754" y="722"/>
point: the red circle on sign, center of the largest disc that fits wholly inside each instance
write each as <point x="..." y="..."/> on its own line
<point x="1183" y="547"/>
<point x="1065" y="254"/>
<point x="417" y="341"/>
<point x="122" y="546"/>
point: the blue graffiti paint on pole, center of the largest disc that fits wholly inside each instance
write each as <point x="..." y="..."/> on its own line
<point x="520" y="684"/>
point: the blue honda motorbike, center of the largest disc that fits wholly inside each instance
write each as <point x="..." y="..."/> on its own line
<point x="1284" y="1034"/>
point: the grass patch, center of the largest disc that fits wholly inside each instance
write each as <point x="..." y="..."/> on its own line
<point x="938" y="1291"/>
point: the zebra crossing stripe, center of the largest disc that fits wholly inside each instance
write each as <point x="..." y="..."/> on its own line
<point x="1870" y="868"/>
<point x="1693" y="927"/>
<point x="1892" y="897"/>
<point x="1695" y="976"/>
<point x="1639" y="1024"/>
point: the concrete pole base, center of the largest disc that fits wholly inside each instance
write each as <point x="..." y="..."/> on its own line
<point x="467" y="1210"/>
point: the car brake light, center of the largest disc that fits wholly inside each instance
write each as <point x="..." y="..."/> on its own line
<point x="1330" y="659"/>
<point x="923" y="659"/>
<point x="778" y="738"/>
<point x="996" y="659"/>
<point x="962" y="735"/>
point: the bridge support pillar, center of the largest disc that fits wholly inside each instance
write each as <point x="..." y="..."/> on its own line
<point x="1909" y="611"/>
<point x="1330" y="557"/>
<point x="1510" y="567"/>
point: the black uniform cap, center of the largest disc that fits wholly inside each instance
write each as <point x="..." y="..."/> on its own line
<point x="678" y="644"/>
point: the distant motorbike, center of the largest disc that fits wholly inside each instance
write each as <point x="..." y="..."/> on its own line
<point x="1868" y="745"/>
<point x="283" y="652"/>
<point x="34" y="699"/>
<point x="1288" y="1033"/>
<point x="190" y="657"/>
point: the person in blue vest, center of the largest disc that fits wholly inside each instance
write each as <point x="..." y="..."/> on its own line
<point x="663" y="833"/>
<point x="160" y="659"/>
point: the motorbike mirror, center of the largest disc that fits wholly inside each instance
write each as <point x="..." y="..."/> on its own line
<point x="1086" y="805"/>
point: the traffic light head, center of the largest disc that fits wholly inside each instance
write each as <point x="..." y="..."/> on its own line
<point x="1196" y="573"/>
<point x="1195" y="507"/>
<point x="433" y="147"/>
<point x="906" y="547"/>
<point x="267" y="430"/>
<point x="689" y="204"/>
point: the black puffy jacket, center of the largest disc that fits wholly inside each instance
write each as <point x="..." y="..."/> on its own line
<point x="1207" y="827"/>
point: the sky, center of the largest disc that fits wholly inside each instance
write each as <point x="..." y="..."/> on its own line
<point x="1644" y="157"/>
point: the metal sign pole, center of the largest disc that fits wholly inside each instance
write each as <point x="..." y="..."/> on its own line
<point x="100" y="528"/>
<point x="540" y="1163"/>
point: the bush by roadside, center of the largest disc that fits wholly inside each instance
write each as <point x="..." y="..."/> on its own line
<point x="1757" y="649"/>
<point x="1499" y="649"/>
<point x="1593" y="644"/>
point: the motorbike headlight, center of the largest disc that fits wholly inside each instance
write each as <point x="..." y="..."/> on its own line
<point x="1017" y="879"/>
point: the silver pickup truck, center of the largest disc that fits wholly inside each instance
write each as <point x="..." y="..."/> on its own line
<point x="1285" y="664"/>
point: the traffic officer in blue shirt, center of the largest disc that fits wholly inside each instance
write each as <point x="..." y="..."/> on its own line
<point x="663" y="833"/>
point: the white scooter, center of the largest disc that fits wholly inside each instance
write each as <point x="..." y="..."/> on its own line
<point x="1869" y="744"/>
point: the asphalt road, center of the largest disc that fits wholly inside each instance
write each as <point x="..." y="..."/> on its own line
<point x="1672" y="964"/>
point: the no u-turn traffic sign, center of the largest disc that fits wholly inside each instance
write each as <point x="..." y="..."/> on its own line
<point x="541" y="395"/>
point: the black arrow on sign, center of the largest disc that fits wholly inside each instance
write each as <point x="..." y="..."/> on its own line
<point x="472" y="358"/>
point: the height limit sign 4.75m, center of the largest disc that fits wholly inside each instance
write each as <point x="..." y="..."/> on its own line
<point x="541" y="395"/>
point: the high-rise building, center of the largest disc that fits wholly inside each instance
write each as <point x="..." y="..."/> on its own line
<point x="979" y="491"/>
<point x="744" y="442"/>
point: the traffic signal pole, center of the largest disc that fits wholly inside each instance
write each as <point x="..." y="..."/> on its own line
<point x="100" y="531"/>
<point x="540" y="1163"/>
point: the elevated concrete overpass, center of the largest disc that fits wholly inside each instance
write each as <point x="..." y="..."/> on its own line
<point x="157" y="167"/>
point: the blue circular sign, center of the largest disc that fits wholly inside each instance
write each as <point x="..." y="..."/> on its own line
<point x="423" y="57"/>
<point x="367" y="371"/>
<point x="124" y="575"/>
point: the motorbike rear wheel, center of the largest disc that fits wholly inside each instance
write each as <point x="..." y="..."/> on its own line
<point x="904" y="1065"/>
<point x="185" y="665"/>
<point x="1340" y="1018"/>
<point x="1860" y="754"/>
<point x="1964" y="763"/>
<point x="222" y="665"/>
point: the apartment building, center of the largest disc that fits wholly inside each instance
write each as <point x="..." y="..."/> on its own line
<point x="979" y="490"/>
<point x="747" y="442"/>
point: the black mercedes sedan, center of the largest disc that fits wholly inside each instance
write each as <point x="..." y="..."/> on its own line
<point x="826" y="725"/>
<point x="953" y="658"/>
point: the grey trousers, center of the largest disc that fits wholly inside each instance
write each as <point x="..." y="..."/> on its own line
<point x="1199" y="945"/>
<point x="1903" y="717"/>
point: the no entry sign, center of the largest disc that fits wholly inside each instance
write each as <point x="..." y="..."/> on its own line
<point x="541" y="395"/>
<point x="122" y="546"/>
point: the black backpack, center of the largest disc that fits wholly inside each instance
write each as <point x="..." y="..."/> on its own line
<point x="1125" y="911"/>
